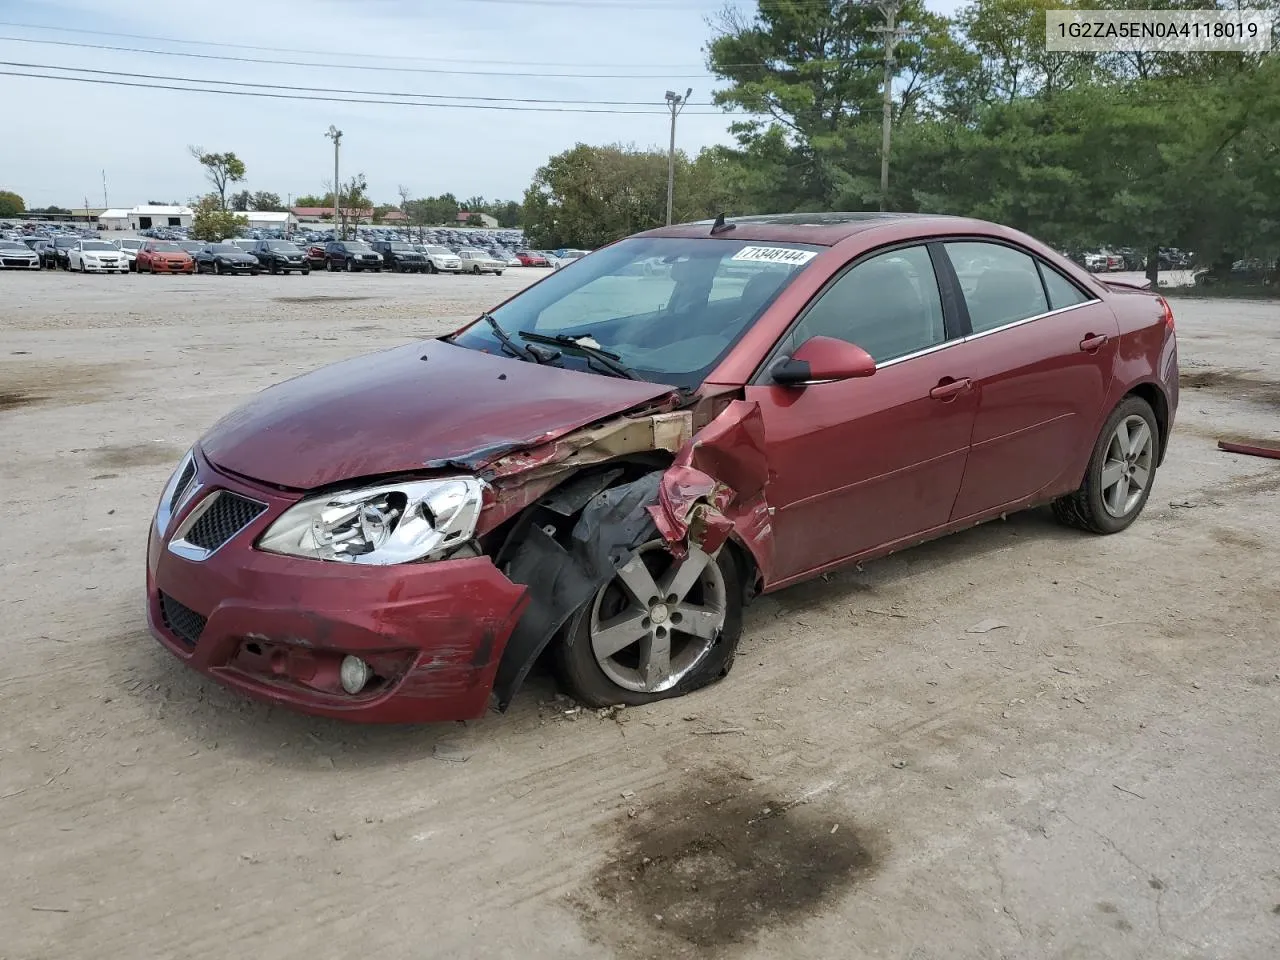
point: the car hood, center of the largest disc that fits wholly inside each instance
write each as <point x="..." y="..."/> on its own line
<point x="426" y="405"/>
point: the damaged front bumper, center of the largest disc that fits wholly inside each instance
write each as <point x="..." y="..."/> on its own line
<point x="277" y="628"/>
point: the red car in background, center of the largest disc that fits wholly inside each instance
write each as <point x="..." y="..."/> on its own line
<point x="317" y="259"/>
<point x="164" y="256"/>
<point x="609" y="468"/>
<point x="528" y="258"/>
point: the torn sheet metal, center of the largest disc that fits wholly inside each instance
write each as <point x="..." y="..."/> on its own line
<point x="522" y="477"/>
<point x="613" y="525"/>
<point x="715" y="487"/>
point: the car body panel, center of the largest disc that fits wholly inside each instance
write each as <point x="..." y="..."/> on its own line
<point x="400" y="410"/>
<point x="152" y="260"/>
<point x="277" y="627"/>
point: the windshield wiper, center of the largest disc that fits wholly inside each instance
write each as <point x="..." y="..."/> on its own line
<point x="528" y="354"/>
<point x="607" y="360"/>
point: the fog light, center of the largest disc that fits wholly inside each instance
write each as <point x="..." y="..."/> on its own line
<point x="354" y="674"/>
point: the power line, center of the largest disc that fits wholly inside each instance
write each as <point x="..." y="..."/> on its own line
<point x="857" y="61"/>
<point x="313" y="89"/>
<point x="307" y="97"/>
<point x="346" y="66"/>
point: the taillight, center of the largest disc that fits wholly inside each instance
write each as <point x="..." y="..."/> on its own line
<point x="1168" y="313"/>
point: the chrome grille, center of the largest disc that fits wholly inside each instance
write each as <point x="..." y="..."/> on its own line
<point x="184" y="481"/>
<point x="181" y="620"/>
<point x="226" y="515"/>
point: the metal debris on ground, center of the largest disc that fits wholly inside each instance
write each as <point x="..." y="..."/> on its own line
<point x="1252" y="448"/>
<point x="986" y="626"/>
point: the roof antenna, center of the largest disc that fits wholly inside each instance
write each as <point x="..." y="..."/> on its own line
<point x="720" y="226"/>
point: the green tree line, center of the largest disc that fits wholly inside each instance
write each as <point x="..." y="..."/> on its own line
<point x="1132" y="149"/>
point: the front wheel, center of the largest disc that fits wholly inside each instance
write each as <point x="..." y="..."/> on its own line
<point x="305" y="271"/>
<point x="1118" y="481"/>
<point x="660" y="628"/>
<point x="349" y="266"/>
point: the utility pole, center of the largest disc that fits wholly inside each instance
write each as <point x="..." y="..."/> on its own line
<point x="105" y="204"/>
<point x="335" y="135"/>
<point x="676" y="104"/>
<point x="892" y="34"/>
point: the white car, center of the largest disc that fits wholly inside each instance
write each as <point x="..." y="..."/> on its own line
<point x="477" y="261"/>
<point x="97" y="256"/>
<point x="441" y="259"/>
<point x="568" y="257"/>
<point x="130" y="247"/>
<point x="18" y="256"/>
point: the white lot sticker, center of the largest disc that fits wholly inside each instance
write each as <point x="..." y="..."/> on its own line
<point x="774" y="255"/>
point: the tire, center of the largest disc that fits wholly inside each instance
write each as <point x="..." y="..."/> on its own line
<point x="305" y="271"/>
<point x="349" y="266"/>
<point x="217" y="268"/>
<point x="273" y="268"/>
<point x="432" y="268"/>
<point x="603" y="682"/>
<point x="1103" y="507"/>
<point x="497" y="273"/>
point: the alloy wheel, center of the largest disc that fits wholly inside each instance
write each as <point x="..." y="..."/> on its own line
<point x="658" y="619"/>
<point x="1126" y="468"/>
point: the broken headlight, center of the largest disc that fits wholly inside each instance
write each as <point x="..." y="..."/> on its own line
<point x="395" y="523"/>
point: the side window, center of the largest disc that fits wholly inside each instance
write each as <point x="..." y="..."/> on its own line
<point x="1062" y="292"/>
<point x="1001" y="285"/>
<point x="888" y="305"/>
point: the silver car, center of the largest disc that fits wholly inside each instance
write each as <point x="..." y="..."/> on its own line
<point x="441" y="259"/>
<point x="18" y="256"/>
<point x="478" y="261"/>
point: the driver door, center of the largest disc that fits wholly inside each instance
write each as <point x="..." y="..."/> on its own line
<point x="864" y="464"/>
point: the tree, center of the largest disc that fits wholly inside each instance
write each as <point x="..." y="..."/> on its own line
<point x="267" y="201"/>
<point x="475" y="220"/>
<point x="240" y="201"/>
<point x="353" y="201"/>
<point x="310" y="200"/>
<point x="50" y="210"/>
<point x="590" y="196"/>
<point x="213" y="222"/>
<point x="11" y="204"/>
<point x="221" y="169"/>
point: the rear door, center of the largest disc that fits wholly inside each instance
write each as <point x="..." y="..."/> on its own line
<point x="856" y="465"/>
<point x="1040" y="350"/>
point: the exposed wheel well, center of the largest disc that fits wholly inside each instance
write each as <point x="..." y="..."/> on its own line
<point x="1159" y="403"/>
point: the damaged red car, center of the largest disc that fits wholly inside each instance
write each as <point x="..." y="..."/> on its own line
<point x="607" y="467"/>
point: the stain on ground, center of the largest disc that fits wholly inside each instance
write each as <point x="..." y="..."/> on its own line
<point x="318" y="299"/>
<point x="136" y="455"/>
<point x="714" y="862"/>
<point x="12" y="399"/>
<point x="1234" y="383"/>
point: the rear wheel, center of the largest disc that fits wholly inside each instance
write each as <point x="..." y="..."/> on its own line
<point x="217" y="268"/>
<point x="1118" y="481"/>
<point x="660" y="628"/>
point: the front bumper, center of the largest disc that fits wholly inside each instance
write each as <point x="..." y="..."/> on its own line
<point x="276" y="628"/>
<point x="163" y="266"/>
<point x="19" y="263"/>
<point x="121" y="266"/>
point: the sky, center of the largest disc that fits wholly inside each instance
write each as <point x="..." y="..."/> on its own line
<point x="57" y="137"/>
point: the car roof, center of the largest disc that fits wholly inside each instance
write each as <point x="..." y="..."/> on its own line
<point x="824" y="229"/>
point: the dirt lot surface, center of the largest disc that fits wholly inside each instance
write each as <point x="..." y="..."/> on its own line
<point x="884" y="774"/>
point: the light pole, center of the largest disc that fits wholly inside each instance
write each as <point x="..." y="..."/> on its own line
<point x="334" y="134"/>
<point x="675" y="103"/>
<point x="892" y="33"/>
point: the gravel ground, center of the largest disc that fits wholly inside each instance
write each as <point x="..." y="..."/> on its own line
<point x="876" y="778"/>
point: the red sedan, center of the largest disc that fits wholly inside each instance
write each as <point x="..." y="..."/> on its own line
<point x="613" y="462"/>
<point x="528" y="258"/>
<point x="164" y="256"/>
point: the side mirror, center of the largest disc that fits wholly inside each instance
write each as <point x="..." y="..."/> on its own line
<point x="822" y="359"/>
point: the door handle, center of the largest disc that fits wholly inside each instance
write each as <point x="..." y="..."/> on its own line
<point x="1092" y="343"/>
<point x="950" y="389"/>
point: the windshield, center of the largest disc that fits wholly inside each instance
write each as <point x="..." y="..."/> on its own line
<point x="10" y="245"/>
<point x="358" y="248"/>
<point x="226" y="248"/>
<point x="97" y="245"/>
<point x="65" y="242"/>
<point x="130" y="244"/>
<point x="440" y="251"/>
<point x="401" y="246"/>
<point x="166" y="248"/>
<point x="283" y="246"/>
<point x="669" y="308"/>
